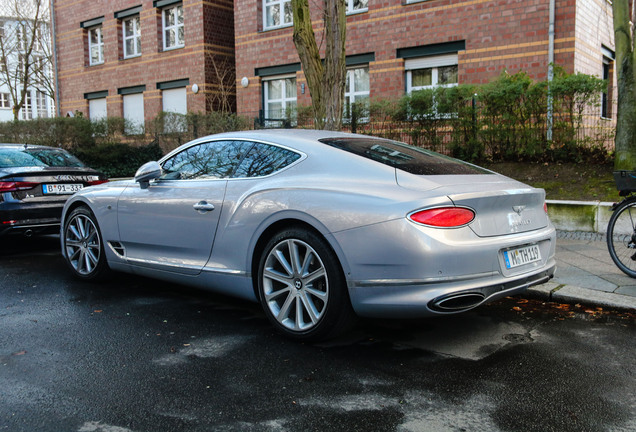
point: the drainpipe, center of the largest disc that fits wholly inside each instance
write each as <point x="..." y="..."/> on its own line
<point x="550" y="68"/>
<point x="53" y="46"/>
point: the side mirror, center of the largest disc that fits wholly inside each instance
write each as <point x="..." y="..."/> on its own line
<point x="148" y="171"/>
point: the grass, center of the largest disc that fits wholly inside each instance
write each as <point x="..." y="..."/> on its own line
<point x="564" y="181"/>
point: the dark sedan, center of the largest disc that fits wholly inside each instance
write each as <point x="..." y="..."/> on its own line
<point x="35" y="182"/>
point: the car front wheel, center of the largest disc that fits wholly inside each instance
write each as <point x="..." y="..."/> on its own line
<point x="302" y="288"/>
<point x="83" y="247"/>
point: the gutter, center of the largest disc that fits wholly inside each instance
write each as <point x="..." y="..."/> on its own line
<point x="550" y="68"/>
<point x="54" y="47"/>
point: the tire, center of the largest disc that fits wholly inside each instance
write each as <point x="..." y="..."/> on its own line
<point x="621" y="237"/>
<point x="302" y="288"/>
<point x="83" y="247"/>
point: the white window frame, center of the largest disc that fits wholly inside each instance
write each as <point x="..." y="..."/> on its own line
<point x="173" y="28"/>
<point x="26" y="112"/>
<point x="135" y="37"/>
<point x="5" y="101"/>
<point x="351" y="7"/>
<point x="284" y="101"/>
<point x="433" y="62"/>
<point x="351" y="92"/>
<point x="99" y="46"/>
<point x="41" y="104"/>
<point x="281" y="5"/>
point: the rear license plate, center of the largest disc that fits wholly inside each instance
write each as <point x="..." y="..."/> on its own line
<point x="521" y="256"/>
<point x="61" y="189"/>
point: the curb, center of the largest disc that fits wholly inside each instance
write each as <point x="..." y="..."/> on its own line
<point x="552" y="292"/>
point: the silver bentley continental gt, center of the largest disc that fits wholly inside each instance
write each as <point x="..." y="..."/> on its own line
<point x="318" y="227"/>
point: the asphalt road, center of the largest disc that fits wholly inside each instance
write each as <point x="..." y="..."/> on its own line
<point x="143" y="356"/>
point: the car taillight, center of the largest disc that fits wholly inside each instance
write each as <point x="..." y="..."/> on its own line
<point x="443" y="217"/>
<point x="545" y="207"/>
<point x="96" y="182"/>
<point x="16" y="186"/>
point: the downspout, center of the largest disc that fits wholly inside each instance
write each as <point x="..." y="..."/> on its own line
<point x="54" y="47"/>
<point x="550" y="69"/>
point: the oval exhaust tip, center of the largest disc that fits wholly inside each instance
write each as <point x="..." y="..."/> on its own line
<point x="458" y="302"/>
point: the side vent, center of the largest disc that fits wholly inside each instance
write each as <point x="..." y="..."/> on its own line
<point x="117" y="248"/>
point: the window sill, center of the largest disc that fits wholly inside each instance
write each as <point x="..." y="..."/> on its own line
<point x="130" y="57"/>
<point x="357" y="12"/>
<point x="266" y="29"/>
<point x="165" y="49"/>
<point x="95" y="64"/>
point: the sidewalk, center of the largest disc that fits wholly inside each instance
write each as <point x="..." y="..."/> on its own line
<point x="586" y="274"/>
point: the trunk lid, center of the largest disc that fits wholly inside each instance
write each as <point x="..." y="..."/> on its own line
<point x="502" y="206"/>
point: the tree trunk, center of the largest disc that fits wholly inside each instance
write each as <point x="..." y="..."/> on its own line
<point x="325" y="80"/>
<point x="626" y="78"/>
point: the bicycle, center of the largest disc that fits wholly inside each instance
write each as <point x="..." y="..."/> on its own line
<point x="621" y="229"/>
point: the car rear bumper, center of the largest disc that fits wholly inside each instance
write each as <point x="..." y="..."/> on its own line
<point x="30" y="219"/>
<point x="416" y="299"/>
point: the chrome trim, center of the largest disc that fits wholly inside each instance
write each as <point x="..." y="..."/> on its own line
<point x="427" y="281"/>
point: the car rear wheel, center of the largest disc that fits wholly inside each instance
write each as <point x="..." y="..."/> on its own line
<point x="83" y="247"/>
<point x="302" y="288"/>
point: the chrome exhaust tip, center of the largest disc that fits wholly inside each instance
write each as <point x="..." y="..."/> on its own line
<point x="28" y="233"/>
<point x="457" y="302"/>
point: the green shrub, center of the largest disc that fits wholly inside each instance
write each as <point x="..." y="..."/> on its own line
<point x="118" y="160"/>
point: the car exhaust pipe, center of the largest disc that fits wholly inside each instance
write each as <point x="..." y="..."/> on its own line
<point x="28" y="233"/>
<point x="457" y="302"/>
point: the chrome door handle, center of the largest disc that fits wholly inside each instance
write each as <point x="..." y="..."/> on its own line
<point x="203" y="207"/>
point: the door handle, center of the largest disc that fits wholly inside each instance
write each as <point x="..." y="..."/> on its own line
<point x="203" y="207"/>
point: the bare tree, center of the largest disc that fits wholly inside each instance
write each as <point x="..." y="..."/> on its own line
<point x="626" y="78"/>
<point x="25" y="50"/>
<point x="325" y="79"/>
<point x="222" y="75"/>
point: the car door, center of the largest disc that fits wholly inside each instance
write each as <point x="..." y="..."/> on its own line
<point x="172" y="224"/>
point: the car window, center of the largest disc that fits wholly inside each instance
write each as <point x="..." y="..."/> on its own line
<point x="265" y="159"/>
<point x="211" y="160"/>
<point x="37" y="157"/>
<point x="414" y="160"/>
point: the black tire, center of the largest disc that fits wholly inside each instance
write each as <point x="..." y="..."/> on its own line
<point x="83" y="247"/>
<point x="302" y="288"/>
<point x="621" y="237"/>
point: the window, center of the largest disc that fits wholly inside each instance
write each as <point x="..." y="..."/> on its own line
<point x="278" y="13"/>
<point x="212" y="160"/>
<point x="356" y="89"/>
<point x="41" y="105"/>
<point x="608" y="76"/>
<point x="97" y="109"/>
<point x="175" y="105"/>
<point x="414" y="160"/>
<point x="26" y="112"/>
<point x="265" y="159"/>
<point x="173" y="28"/>
<point x="134" y="113"/>
<point x="280" y="99"/>
<point x="5" y="101"/>
<point x="355" y="6"/>
<point x="131" y="28"/>
<point x="428" y="72"/>
<point x="95" y="46"/>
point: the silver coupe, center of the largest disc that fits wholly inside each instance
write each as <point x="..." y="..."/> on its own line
<point x="318" y="227"/>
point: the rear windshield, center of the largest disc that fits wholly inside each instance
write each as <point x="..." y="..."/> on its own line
<point x="408" y="158"/>
<point x="37" y="157"/>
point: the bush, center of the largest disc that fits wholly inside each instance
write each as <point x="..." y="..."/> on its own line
<point x="118" y="160"/>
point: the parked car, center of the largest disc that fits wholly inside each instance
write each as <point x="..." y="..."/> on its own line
<point x="318" y="226"/>
<point x="35" y="182"/>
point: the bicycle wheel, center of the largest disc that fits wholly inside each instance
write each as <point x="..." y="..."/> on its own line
<point x="621" y="237"/>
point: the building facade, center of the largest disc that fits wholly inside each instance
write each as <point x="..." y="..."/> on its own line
<point x="16" y="42"/>
<point x="397" y="46"/>
<point x="137" y="58"/>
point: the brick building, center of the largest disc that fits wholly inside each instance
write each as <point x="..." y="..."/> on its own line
<point x="136" y="58"/>
<point x="396" y="46"/>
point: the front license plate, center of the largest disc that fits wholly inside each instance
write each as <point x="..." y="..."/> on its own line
<point x="521" y="256"/>
<point x="61" y="189"/>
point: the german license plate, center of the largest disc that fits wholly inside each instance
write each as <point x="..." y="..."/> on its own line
<point x="61" y="189"/>
<point x="521" y="256"/>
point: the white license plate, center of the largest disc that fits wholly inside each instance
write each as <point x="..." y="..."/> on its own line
<point x="61" y="189"/>
<point x="521" y="256"/>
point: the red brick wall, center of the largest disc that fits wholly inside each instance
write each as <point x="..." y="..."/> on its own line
<point x="499" y="35"/>
<point x="206" y="32"/>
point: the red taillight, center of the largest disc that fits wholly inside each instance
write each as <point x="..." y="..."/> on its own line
<point x="545" y="207"/>
<point x="444" y="217"/>
<point x="96" y="182"/>
<point x="16" y="186"/>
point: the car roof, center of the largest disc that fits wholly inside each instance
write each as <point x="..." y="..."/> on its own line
<point x="15" y="146"/>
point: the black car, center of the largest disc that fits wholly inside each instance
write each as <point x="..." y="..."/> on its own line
<point x="35" y="182"/>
